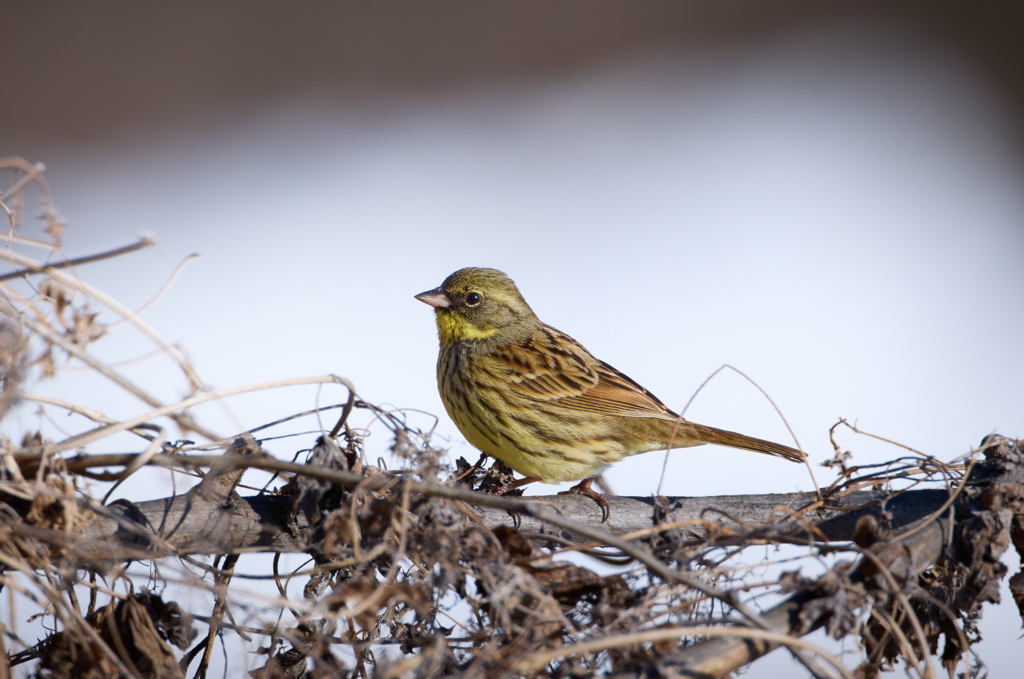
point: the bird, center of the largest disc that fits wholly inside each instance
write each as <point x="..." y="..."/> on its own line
<point x="533" y="397"/>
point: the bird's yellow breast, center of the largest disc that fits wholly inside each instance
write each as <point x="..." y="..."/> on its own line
<point x="533" y="441"/>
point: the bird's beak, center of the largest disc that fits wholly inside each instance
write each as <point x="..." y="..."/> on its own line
<point x="435" y="298"/>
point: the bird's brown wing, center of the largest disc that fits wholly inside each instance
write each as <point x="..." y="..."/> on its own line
<point x="552" y="369"/>
<point x="549" y="366"/>
<point x="617" y="394"/>
<point x="555" y="369"/>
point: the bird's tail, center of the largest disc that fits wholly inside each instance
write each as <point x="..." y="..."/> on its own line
<point x="733" y="440"/>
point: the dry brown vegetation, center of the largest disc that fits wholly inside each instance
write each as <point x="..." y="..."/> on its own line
<point x="418" y="571"/>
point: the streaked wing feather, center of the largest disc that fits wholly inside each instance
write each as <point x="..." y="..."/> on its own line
<point x="555" y="369"/>
<point x="548" y="367"/>
<point x="617" y="394"/>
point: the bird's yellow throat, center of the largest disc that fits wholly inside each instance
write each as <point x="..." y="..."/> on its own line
<point x="453" y="327"/>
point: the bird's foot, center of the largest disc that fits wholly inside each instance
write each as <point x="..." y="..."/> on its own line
<point x="501" y="490"/>
<point x="583" y="488"/>
<point x="510" y="489"/>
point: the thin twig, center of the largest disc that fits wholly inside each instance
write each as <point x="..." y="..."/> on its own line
<point x="539" y="659"/>
<point x="106" y="430"/>
<point x="143" y="242"/>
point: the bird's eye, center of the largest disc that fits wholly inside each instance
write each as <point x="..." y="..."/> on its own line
<point x="473" y="298"/>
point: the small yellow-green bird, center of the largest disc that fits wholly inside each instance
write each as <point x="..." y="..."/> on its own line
<point x="534" y="398"/>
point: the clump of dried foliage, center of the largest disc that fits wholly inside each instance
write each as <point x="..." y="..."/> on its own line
<point x="418" y="570"/>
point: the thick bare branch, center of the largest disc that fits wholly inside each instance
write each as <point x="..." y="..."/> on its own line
<point x="194" y="525"/>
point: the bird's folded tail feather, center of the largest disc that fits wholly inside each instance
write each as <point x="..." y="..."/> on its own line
<point x="723" y="437"/>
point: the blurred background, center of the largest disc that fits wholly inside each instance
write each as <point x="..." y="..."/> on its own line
<point x="828" y="197"/>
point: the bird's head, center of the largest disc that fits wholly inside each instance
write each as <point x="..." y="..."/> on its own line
<point x="476" y="304"/>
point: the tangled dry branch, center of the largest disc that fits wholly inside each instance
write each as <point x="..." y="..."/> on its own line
<point x="419" y="570"/>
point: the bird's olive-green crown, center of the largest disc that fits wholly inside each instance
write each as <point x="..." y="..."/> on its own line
<point x="484" y="303"/>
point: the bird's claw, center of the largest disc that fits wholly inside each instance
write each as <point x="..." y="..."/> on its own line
<point x="583" y="488"/>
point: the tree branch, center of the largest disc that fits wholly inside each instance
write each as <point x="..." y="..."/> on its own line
<point x="920" y="549"/>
